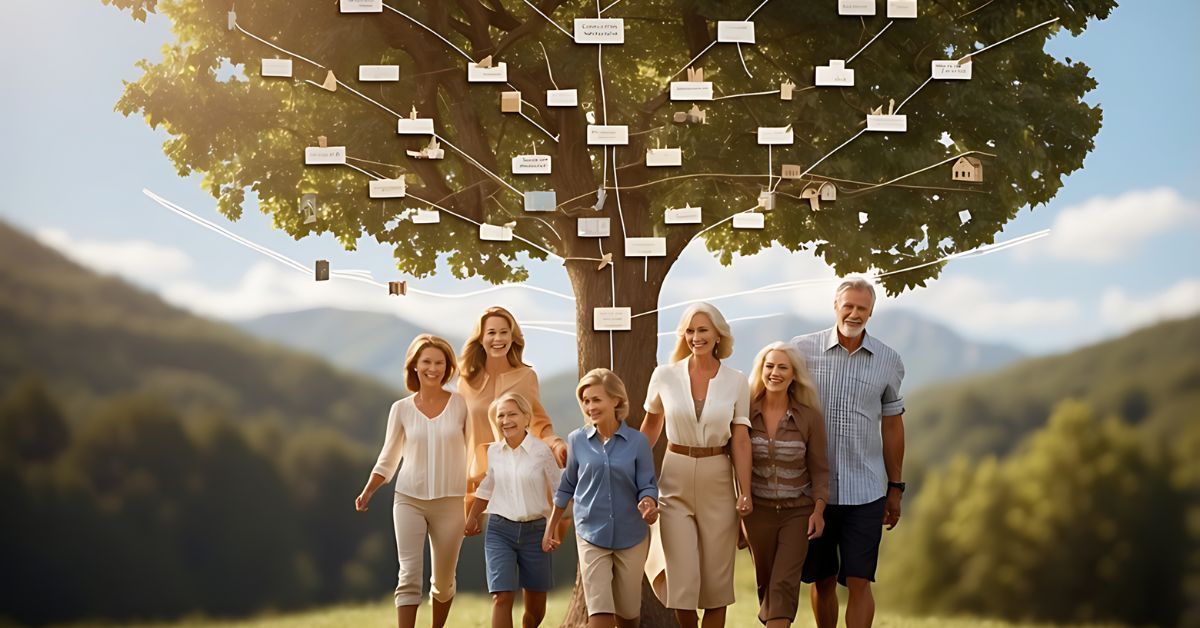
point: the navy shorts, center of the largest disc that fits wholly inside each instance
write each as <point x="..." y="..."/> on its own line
<point x="849" y="547"/>
<point x="515" y="560"/>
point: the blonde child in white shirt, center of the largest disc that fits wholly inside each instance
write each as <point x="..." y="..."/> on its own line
<point x="522" y="475"/>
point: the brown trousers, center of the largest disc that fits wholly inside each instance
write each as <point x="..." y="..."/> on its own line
<point x="778" y="543"/>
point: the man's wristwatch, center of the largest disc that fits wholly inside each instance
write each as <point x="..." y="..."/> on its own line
<point x="897" y="485"/>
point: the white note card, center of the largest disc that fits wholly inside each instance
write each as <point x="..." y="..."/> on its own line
<point x="495" y="233"/>
<point x="498" y="73"/>
<point x="735" y="32"/>
<point x="964" y="216"/>
<point x="426" y="217"/>
<point x="901" y="9"/>
<point x="691" y="90"/>
<point x="361" y="6"/>
<point x="749" y="220"/>
<point x="599" y="30"/>
<point x="562" y="98"/>
<point x="531" y="164"/>
<point x="541" y="200"/>
<point x="593" y="227"/>
<point x="664" y="157"/>
<point x="607" y="135"/>
<point x="887" y="123"/>
<point x="951" y="70"/>
<point x="775" y="135"/>
<point x="834" y="75"/>
<point x="321" y="155"/>
<point x="612" y="319"/>
<point x="645" y="247"/>
<point x="379" y="73"/>
<point x="388" y="188"/>
<point x="418" y="126"/>
<point x="856" y="7"/>
<point x="863" y="218"/>
<point x="276" y="67"/>
<point x="687" y="215"/>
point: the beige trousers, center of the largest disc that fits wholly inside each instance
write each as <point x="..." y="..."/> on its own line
<point x="443" y="521"/>
<point x="612" y="579"/>
<point x="698" y="530"/>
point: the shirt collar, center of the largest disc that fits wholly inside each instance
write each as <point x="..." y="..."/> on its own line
<point x="526" y="443"/>
<point x="623" y="430"/>
<point x="756" y="413"/>
<point x="869" y="343"/>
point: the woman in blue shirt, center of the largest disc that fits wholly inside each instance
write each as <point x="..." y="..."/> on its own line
<point x="610" y="477"/>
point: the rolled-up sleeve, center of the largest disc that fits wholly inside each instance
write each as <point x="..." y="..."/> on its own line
<point x="647" y="483"/>
<point x="393" y="445"/>
<point x="741" y="405"/>
<point x="893" y="402"/>
<point x="570" y="476"/>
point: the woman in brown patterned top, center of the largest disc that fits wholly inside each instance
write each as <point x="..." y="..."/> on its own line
<point x="790" y="481"/>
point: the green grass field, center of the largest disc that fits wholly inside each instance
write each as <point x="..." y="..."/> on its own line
<point x="472" y="610"/>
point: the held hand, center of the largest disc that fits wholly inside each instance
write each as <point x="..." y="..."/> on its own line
<point x="745" y="505"/>
<point x="550" y="540"/>
<point x="648" y="508"/>
<point x="560" y="452"/>
<point x="816" y="525"/>
<point x="891" y="512"/>
<point x="360" y="502"/>
<point x="472" y="527"/>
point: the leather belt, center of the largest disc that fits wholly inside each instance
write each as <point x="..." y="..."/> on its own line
<point x="696" y="452"/>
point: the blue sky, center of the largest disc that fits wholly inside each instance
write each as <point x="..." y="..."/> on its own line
<point x="1124" y="249"/>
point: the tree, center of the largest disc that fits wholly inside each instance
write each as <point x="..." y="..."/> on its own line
<point x="32" y="426"/>
<point x="1022" y="105"/>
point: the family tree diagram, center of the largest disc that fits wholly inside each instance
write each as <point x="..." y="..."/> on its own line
<point x="884" y="136"/>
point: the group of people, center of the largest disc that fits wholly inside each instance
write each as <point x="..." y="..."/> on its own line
<point x="801" y="462"/>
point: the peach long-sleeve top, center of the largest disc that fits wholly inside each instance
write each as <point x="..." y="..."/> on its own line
<point x="479" y="395"/>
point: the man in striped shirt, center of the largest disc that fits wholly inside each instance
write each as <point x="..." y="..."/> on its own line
<point x="858" y="379"/>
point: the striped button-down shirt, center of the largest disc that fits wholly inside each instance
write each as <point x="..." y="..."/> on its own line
<point x="857" y="390"/>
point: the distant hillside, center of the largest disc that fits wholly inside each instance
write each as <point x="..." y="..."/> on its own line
<point x="92" y="336"/>
<point x="1150" y="377"/>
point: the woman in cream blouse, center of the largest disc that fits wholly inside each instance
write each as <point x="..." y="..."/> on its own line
<point x="704" y="407"/>
<point x="489" y="366"/>
<point x="427" y="431"/>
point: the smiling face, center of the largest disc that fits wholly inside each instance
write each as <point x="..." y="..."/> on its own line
<point x="497" y="336"/>
<point x="777" y="371"/>
<point x="511" y="420"/>
<point x="701" y="335"/>
<point x="431" y="367"/>
<point x="597" y="404"/>
<point x="853" y="309"/>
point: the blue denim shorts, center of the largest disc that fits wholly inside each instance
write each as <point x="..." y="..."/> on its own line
<point x="515" y="560"/>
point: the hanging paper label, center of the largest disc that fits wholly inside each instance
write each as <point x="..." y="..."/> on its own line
<point x="750" y="220"/>
<point x="599" y="30"/>
<point x="683" y="216"/>
<point x="531" y="164"/>
<point x="856" y="7"/>
<point x="901" y="9"/>
<point x="612" y="319"/>
<point x="426" y="217"/>
<point x="691" y="90"/>
<point x="379" y="73"/>
<point x="419" y="126"/>
<point x="593" y="227"/>
<point x="735" y="32"/>
<point x="887" y="123"/>
<point x="775" y="135"/>
<point x="645" y="247"/>
<point x="664" y="157"/>
<point x="562" y="98"/>
<point x="361" y="6"/>
<point x="276" y="67"/>
<point x="951" y="70"/>
<point x="324" y="155"/>
<point x="388" y="188"/>
<point x="541" y="201"/>
<point x="496" y="74"/>
<point x="607" y="135"/>
<point x="834" y="75"/>
<point x="495" y="233"/>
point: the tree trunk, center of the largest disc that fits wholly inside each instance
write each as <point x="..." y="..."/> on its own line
<point x="633" y="357"/>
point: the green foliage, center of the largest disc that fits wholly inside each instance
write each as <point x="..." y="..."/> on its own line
<point x="1023" y="106"/>
<point x="1080" y="524"/>
<point x="32" y="427"/>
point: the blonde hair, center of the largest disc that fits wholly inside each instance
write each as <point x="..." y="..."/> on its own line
<point x="523" y="406"/>
<point x="613" y="387"/>
<point x="419" y="344"/>
<point x="724" y="346"/>
<point x="473" y="356"/>
<point x="801" y="391"/>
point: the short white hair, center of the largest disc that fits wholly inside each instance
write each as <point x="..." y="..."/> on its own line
<point x="855" y="283"/>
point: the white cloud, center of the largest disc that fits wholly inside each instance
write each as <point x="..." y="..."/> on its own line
<point x="984" y="310"/>
<point x="1106" y="229"/>
<point x="1125" y="312"/>
<point x="137" y="260"/>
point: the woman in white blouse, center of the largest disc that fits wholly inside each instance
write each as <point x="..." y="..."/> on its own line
<point x="705" y="409"/>
<point x="427" y="431"/>
<point x="522" y="476"/>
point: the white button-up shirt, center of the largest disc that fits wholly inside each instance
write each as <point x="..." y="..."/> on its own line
<point x="520" y="482"/>
<point x="727" y="403"/>
<point x="434" y="451"/>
